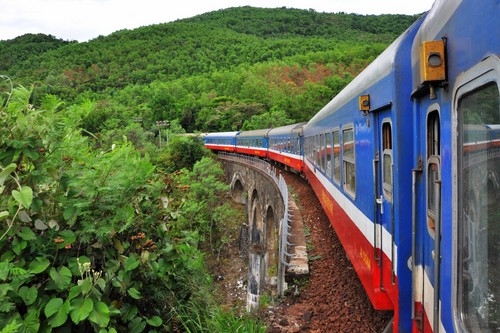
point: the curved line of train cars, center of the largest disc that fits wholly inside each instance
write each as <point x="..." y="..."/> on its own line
<point x="406" y="163"/>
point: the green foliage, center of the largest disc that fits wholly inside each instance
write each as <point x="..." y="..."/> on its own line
<point x="198" y="201"/>
<point x="211" y="72"/>
<point x="224" y="113"/>
<point x="273" y="118"/>
<point x="85" y="241"/>
<point x="278" y="22"/>
<point x="25" y="47"/>
<point x="200" y="191"/>
<point x="182" y="152"/>
<point x="194" y="320"/>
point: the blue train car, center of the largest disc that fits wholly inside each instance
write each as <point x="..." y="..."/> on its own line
<point x="223" y="141"/>
<point x="286" y="145"/>
<point x="253" y="142"/>
<point x="455" y="256"/>
<point x="369" y="126"/>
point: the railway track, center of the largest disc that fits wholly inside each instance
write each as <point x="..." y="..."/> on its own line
<point x="332" y="299"/>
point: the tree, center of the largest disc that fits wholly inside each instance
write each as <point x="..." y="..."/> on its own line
<point x="182" y="152"/>
<point x="274" y="118"/>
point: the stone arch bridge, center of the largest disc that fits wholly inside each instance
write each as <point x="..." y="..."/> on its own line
<point x="272" y="236"/>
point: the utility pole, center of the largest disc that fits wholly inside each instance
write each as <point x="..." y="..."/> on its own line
<point x="162" y="124"/>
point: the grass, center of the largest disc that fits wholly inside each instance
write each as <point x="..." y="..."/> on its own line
<point x="196" y="320"/>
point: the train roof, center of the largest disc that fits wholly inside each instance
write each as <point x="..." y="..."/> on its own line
<point x="382" y="66"/>
<point x="288" y="129"/>
<point x="221" y="134"/>
<point x="259" y="132"/>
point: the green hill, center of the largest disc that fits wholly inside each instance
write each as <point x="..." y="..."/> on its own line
<point x="212" y="71"/>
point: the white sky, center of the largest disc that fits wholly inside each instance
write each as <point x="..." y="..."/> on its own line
<point x="83" y="20"/>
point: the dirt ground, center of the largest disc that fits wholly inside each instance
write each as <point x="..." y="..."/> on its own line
<point x="332" y="299"/>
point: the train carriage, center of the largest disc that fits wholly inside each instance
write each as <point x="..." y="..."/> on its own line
<point x="456" y="116"/>
<point x="223" y="141"/>
<point x="368" y="124"/>
<point x="255" y="142"/>
<point x="286" y="145"/>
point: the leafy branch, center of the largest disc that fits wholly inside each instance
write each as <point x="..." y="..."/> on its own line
<point x="23" y="195"/>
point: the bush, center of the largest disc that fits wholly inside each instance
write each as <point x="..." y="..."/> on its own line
<point x="83" y="241"/>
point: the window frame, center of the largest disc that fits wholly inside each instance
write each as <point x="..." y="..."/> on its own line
<point x="328" y="154"/>
<point x="433" y="160"/>
<point x="349" y="186"/>
<point x="337" y="154"/>
<point x="388" y="188"/>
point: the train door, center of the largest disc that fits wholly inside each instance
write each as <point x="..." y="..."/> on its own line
<point x="428" y="221"/>
<point x="384" y="222"/>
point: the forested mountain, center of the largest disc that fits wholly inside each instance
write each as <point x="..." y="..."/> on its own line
<point x="21" y="48"/>
<point x="210" y="72"/>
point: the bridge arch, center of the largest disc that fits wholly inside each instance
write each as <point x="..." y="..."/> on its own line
<point x="271" y="245"/>
<point x="238" y="191"/>
<point x="256" y="222"/>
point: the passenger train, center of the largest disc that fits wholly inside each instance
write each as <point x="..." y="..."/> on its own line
<point x="406" y="164"/>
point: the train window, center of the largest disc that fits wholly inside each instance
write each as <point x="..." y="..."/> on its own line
<point x="433" y="172"/>
<point x="433" y="134"/>
<point x="316" y="150"/>
<point x="306" y="147"/>
<point x="322" y="151"/>
<point x="309" y="148"/>
<point x="328" y="151"/>
<point x="387" y="166"/>
<point x="479" y="209"/>
<point x="336" y="156"/>
<point x="349" y="161"/>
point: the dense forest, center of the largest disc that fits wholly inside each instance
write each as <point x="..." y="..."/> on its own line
<point x="108" y="212"/>
<point x="222" y="70"/>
